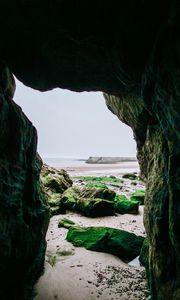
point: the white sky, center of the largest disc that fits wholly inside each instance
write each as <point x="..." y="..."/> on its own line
<point x="73" y="124"/>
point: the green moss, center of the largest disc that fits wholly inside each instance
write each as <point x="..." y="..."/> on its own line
<point x="69" y="198"/>
<point x="124" y="244"/>
<point x="111" y="180"/>
<point x="95" y="207"/>
<point x="54" y="199"/>
<point x="123" y="205"/>
<point x="139" y="196"/>
<point x="102" y="193"/>
<point x="96" y="185"/>
<point x="52" y="260"/>
<point x="66" y="223"/>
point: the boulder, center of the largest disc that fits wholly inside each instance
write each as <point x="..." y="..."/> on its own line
<point x="55" y="182"/>
<point x="124" y="244"/>
<point x="131" y="176"/>
<point x="102" y="193"/>
<point x="139" y="196"/>
<point x="95" y="207"/>
<point x="123" y="205"/>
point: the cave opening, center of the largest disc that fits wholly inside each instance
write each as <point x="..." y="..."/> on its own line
<point x="82" y="125"/>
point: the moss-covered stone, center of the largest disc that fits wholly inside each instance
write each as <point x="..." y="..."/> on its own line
<point x="70" y="197"/>
<point x="130" y="176"/>
<point x="102" y="193"/>
<point x="139" y="196"/>
<point x="125" y="245"/>
<point x="95" y="207"/>
<point x="55" y="182"/>
<point x="123" y="205"/>
<point x="97" y="185"/>
<point x="66" y="223"/>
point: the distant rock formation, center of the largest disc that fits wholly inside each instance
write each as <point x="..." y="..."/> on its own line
<point x="108" y="160"/>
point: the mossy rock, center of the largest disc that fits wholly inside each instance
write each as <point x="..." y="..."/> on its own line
<point x="123" y="205"/>
<point x="98" y="185"/>
<point x="101" y="193"/>
<point x="95" y="207"/>
<point x="54" y="199"/>
<point x="70" y="197"/>
<point x="100" y="182"/>
<point x="66" y="223"/>
<point x="55" y="181"/>
<point x="139" y="196"/>
<point x="121" y="243"/>
<point x="130" y="176"/>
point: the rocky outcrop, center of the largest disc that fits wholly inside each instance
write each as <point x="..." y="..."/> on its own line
<point x="24" y="216"/>
<point x="108" y="160"/>
<point x="155" y="122"/>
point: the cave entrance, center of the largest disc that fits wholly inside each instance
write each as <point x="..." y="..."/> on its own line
<point x="72" y="127"/>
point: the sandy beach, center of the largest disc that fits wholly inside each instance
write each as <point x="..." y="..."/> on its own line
<point x="74" y="273"/>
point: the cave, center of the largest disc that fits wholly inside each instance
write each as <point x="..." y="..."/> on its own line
<point x="129" y="51"/>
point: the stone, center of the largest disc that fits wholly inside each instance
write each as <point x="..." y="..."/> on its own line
<point x="55" y="182"/>
<point x="139" y="196"/>
<point x="124" y="244"/>
<point x="123" y="205"/>
<point x="66" y="223"/>
<point x="101" y="193"/>
<point x="95" y="207"/>
<point x="130" y="176"/>
<point x="24" y="214"/>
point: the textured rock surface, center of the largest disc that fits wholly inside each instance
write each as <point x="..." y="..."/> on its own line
<point x="55" y="182"/>
<point x="122" y="243"/>
<point x="129" y="49"/>
<point x="24" y="215"/>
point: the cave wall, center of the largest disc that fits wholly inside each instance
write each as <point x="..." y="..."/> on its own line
<point x="24" y="215"/>
<point x="155" y="120"/>
<point x="131" y="51"/>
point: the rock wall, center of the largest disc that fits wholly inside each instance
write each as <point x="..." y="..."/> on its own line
<point x="24" y="215"/>
<point x="155" y="120"/>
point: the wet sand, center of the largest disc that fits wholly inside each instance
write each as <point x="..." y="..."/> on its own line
<point x="101" y="169"/>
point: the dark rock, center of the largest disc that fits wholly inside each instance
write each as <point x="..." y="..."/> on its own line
<point x="130" y="176"/>
<point x="123" y="205"/>
<point x="90" y="202"/>
<point x="95" y="207"/>
<point x="24" y="215"/>
<point x="144" y="254"/>
<point x="118" y="242"/>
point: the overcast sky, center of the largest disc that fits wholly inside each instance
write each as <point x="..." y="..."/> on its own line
<point x="73" y="124"/>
